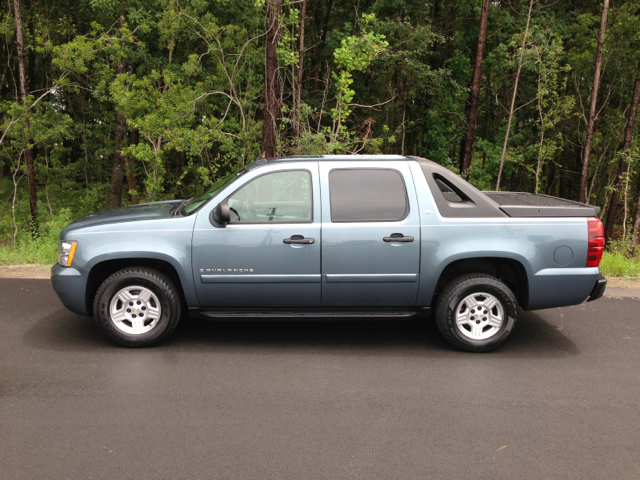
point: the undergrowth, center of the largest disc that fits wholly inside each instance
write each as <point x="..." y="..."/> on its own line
<point x="617" y="265"/>
<point x="42" y="250"/>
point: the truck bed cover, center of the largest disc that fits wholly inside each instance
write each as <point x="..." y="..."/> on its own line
<point x="518" y="204"/>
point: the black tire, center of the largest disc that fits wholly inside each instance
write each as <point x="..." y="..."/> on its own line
<point x="159" y="284"/>
<point x="458" y="290"/>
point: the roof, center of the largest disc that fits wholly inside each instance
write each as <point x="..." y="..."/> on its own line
<point x="315" y="158"/>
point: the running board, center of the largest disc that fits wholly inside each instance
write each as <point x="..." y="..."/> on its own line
<point x="261" y="313"/>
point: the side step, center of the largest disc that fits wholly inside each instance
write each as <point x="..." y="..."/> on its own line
<point x="326" y="313"/>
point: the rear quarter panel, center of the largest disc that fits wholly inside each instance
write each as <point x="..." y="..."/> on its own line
<point x="530" y="241"/>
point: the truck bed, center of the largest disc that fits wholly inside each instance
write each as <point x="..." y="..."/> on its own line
<point x="518" y="204"/>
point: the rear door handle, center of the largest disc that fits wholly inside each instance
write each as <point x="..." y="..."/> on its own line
<point x="398" y="237"/>
<point x="299" y="240"/>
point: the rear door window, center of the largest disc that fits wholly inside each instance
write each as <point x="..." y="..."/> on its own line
<point x="367" y="195"/>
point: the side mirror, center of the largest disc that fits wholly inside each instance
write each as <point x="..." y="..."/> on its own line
<point x="220" y="215"/>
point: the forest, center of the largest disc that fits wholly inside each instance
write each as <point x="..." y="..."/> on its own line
<point x="105" y="103"/>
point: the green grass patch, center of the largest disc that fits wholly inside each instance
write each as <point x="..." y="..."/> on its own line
<point x="617" y="265"/>
<point x="42" y="251"/>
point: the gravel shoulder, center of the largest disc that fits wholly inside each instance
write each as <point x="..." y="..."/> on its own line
<point x="25" y="271"/>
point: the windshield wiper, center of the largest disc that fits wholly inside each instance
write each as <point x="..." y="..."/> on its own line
<point x="175" y="211"/>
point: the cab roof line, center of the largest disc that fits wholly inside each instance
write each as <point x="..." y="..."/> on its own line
<point x="261" y="161"/>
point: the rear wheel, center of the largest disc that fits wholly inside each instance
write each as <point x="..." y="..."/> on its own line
<point x="137" y="306"/>
<point x="476" y="313"/>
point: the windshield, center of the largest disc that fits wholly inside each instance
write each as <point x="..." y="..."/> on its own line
<point x="197" y="202"/>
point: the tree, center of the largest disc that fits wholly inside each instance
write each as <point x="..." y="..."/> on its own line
<point x="270" y="69"/>
<point x="179" y="92"/>
<point x="117" y="175"/>
<point x="298" y="101"/>
<point x="31" y="174"/>
<point x="592" y="105"/>
<point x="513" y="98"/>
<point x="475" y="89"/>
<point x="120" y="132"/>
<point x="631" y="118"/>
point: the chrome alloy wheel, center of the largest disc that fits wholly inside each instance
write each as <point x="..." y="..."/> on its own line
<point x="479" y="316"/>
<point x="135" y="310"/>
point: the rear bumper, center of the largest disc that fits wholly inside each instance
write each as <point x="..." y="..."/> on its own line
<point x="598" y="290"/>
<point x="561" y="287"/>
<point x="71" y="286"/>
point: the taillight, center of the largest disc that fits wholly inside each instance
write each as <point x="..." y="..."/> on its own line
<point x="596" y="241"/>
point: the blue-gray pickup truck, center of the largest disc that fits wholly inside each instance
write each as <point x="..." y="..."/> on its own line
<point x="333" y="237"/>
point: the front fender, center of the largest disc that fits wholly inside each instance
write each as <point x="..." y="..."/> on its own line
<point x="167" y="240"/>
<point x="184" y="274"/>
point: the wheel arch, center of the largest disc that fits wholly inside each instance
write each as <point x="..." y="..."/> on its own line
<point x="101" y="270"/>
<point x="510" y="271"/>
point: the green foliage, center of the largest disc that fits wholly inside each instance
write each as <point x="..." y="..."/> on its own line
<point x="618" y="265"/>
<point x="355" y="54"/>
<point x="392" y="76"/>
<point x="41" y="251"/>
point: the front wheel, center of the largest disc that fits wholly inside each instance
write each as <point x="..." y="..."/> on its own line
<point x="137" y="306"/>
<point x="476" y="313"/>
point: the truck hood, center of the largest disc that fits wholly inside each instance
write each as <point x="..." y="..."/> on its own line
<point x="133" y="213"/>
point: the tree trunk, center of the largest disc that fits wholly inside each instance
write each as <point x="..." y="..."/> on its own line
<point x="117" y="175"/>
<point x="613" y="209"/>
<point x="399" y="114"/>
<point x="31" y="173"/>
<point x="513" y="98"/>
<point x="131" y="176"/>
<point x="636" y="228"/>
<point x="270" y="66"/>
<point x="399" y="130"/>
<point x="129" y="163"/>
<point x="84" y="141"/>
<point x="320" y="40"/>
<point x="296" y="125"/>
<point x="475" y="89"/>
<point x="592" y="105"/>
<point x="313" y="65"/>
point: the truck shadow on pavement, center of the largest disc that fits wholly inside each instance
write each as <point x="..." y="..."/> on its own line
<point x="534" y="337"/>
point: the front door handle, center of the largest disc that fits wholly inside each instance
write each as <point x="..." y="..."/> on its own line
<point x="299" y="240"/>
<point x="398" y="237"/>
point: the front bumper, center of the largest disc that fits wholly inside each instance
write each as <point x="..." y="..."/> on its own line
<point x="71" y="286"/>
<point x="598" y="290"/>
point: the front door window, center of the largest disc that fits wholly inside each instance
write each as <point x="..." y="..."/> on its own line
<point x="279" y="197"/>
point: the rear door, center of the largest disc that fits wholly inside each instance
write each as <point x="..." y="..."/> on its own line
<point x="370" y="234"/>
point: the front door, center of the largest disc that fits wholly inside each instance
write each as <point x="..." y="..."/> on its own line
<point x="269" y="254"/>
<point x="370" y="234"/>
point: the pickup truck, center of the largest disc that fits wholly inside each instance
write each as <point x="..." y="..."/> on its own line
<point x="364" y="236"/>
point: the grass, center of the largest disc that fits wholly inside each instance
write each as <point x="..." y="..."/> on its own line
<point x="43" y="251"/>
<point x="617" y="265"/>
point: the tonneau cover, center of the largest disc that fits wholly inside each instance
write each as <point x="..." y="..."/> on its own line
<point x="518" y="204"/>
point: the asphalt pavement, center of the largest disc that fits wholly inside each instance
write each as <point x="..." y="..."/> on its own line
<point x="307" y="400"/>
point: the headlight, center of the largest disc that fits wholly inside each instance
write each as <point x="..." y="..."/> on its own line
<point x="66" y="251"/>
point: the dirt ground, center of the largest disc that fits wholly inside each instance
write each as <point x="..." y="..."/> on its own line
<point x="44" y="271"/>
<point x="623" y="283"/>
<point x="25" y="271"/>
